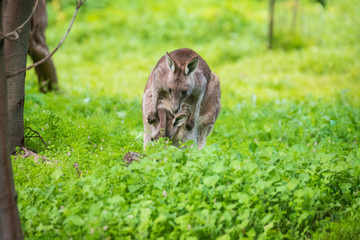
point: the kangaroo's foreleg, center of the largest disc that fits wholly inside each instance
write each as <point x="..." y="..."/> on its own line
<point x="153" y="115"/>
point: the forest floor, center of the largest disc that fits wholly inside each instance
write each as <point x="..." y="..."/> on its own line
<point x="283" y="160"/>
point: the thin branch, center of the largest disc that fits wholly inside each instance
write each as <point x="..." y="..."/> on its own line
<point x="79" y="4"/>
<point x="33" y="135"/>
<point x="13" y="35"/>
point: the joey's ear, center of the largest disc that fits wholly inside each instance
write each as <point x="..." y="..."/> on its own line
<point x="169" y="62"/>
<point x="192" y="66"/>
<point x="179" y="120"/>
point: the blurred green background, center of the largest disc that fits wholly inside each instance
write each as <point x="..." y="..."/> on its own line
<point x="114" y="45"/>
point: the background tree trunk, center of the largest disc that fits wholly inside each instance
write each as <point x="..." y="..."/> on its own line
<point x="10" y="226"/>
<point x="15" y="12"/>
<point x="271" y="23"/>
<point x="295" y="9"/>
<point x="38" y="50"/>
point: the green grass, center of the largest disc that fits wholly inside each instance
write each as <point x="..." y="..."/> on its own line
<point x="283" y="160"/>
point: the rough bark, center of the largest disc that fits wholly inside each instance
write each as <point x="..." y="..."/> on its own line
<point x="10" y="226"/>
<point x="15" y="12"/>
<point x="271" y="23"/>
<point x="38" y="50"/>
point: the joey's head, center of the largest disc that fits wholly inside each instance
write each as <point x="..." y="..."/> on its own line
<point x="169" y="124"/>
<point x="180" y="82"/>
<point x="174" y="124"/>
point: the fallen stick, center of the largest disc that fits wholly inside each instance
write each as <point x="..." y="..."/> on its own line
<point x="132" y="156"/>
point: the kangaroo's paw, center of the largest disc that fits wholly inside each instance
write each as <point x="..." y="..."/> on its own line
<point x="190" y="124"/>
<point x="152" y="117"/>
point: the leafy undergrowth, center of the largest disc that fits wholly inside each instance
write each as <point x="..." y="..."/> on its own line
<point x="283" y="160"/>
<point x="294" y="171"/>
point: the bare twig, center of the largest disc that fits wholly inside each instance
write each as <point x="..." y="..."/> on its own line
<point x="33" y="135"/>
<point x="78" y="5"/>
<point x="13" y="35"/>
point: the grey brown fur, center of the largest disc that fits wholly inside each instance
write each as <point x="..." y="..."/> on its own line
<point x="182" y="78"/>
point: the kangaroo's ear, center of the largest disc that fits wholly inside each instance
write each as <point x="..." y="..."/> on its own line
<point x="192" y="66"/>
<point x="179" y="120"/>
<point x="169" y="62"/>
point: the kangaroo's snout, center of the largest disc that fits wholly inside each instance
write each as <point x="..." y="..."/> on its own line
<point x="175" y="105"/>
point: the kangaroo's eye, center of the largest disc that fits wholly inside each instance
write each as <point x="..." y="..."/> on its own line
<point x="170" y="90"/>
<point x="184" y="92"/>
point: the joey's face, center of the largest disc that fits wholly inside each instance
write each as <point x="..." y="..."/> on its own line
<point x="176" y="122"/>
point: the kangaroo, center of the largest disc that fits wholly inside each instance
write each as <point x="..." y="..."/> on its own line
<point x="182" y="77"/>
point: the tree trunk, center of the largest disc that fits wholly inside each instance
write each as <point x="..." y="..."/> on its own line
<point x="271" y="23"/>
<point x="294" y="16"/>
<point x="38" y="50"/>
<point x="15" y="12"/>
<point x="10" y="226"/>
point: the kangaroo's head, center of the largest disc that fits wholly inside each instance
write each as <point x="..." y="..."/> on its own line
<point x="180" y="81"/>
